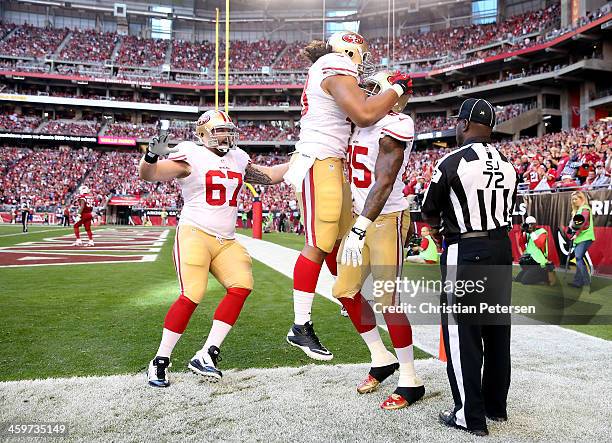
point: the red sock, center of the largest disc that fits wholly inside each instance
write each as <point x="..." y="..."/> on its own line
<point x="400" y="330"/>
<point x="88" y="229"/>
<point x="229" y="308"/>
<point x="360" y="312"/>
<point x="330" y="261"/>
<point x="179" y="314"/>
<point x="306" y="274"/>
<point x="77" y="234"/>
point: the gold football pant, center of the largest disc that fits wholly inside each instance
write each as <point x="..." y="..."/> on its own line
<point x="325" y="204"/>
<point x="196" y="253"/>
<point x="382" y="257"/>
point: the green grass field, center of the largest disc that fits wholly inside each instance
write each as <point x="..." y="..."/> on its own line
<point x="104" y="319"/>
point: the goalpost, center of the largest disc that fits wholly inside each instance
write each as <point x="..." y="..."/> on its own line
<point x="257" y="209"/>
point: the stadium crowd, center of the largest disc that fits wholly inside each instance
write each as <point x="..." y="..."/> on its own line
<point x="80" y="127"/>
<point x="43" y="176"/>
<point x="89" y="46"/>
<point x="425" y="49"/>
<point x="18" y="123"/>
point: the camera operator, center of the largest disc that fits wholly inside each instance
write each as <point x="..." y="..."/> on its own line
<point x="534" y="263"/>
<point x="582" y="235"/>
<point x="427" y="251"/>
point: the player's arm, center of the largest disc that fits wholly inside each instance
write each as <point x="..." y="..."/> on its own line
<point x="388" y="164"/>
<point x="152" y="170"/>
<point x="81" y="206"/>
<point x="163" y="170"/>
<point x="265" y="175"/>
<point x="364" y="111"/>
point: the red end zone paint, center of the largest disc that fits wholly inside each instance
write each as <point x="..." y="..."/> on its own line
<point x="135" y="246"/>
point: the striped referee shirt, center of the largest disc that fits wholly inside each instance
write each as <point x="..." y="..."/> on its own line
<point x="472" y="189"/>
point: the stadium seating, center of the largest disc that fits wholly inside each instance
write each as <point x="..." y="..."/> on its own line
<point x="425" y="49"/>
<point x="89" y="46"/>
<point x="47" y="176"/>
<point x="18" y="123"/>
<point x="136" y="51"/>
<point x="40" y="41"/>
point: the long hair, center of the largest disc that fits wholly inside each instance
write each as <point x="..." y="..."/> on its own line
<point x="315" y="50"/>
<point x="583" y="201"/>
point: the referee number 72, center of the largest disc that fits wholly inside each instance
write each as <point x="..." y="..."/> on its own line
<point x="493" y="171"/>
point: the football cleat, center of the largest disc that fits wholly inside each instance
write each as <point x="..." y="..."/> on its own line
<point x="343" y="312"/>
<point x="158" y="372"/>
<point x="204" y="363"/>
<point x="90" y="243"/>
<point x="304" y="337"/>
<point x="402" y="397"/>
<point x="78" y="242"/>
<point x="375" y="377"/>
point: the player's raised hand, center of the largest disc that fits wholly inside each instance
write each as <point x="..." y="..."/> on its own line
<point x="353" y="244"/>
<point x="158" y="145"/>
<point x="403" y="80"/>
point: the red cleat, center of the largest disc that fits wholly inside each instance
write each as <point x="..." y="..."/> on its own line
<point x="394" y="401"/>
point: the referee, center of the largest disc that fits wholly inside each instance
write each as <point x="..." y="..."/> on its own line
<point x="470" y="199"/>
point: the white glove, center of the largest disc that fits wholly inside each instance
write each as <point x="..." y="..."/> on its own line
<point x="158" y="145"/>
<point x="353" y="244"/>
<point x="77" y="218"/>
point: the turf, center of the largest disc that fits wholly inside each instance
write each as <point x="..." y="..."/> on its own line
<point x="106" y="319"/>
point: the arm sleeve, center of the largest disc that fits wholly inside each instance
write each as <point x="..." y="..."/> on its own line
<point x="338" y="64"/>
<point x="424" y="243"/>
<point x="402" y="130"/>
<point x="437" y="192"/>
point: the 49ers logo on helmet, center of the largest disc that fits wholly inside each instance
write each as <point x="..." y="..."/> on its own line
<point x="353" y="38"/>
<point x="203" y="120"/>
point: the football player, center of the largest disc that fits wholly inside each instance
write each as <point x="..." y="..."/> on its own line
<point x="84" y="216"/>
<point x="377" y="160"/>
<point x="331" y="100"/>
<point x="210" y="174"/>
<point x="25" y="213"/>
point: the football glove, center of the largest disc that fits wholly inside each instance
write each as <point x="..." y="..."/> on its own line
<point x="158" y="146"/>
<point x="403" y="80"/>
<point x="353" y="244"/>
<point x="77" y="218"/>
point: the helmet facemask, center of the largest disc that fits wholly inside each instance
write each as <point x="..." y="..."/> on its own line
<point x="379" y="83"/>
<point x="366" y="67"/>
<point x="221" y="137"/>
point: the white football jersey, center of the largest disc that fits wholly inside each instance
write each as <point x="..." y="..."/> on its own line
<point x="362" y="155"/>
<point x="210" y="192"/>
<point x="324" y="128"/>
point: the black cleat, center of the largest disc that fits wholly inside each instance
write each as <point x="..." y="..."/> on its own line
<point x="158" y="372"/>
<point x="447" y="418"/>
<point x="304" y="337"/>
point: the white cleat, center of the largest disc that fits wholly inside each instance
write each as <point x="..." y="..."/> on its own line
<point x="204" y="363"/>
<point x="90" y="243"/>
<point x="78" y="242"/>
<point x="157" y="373"/>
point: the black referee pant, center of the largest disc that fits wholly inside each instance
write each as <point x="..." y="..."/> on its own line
<point x="24" y="220"/>
<point x="471" y="340"/>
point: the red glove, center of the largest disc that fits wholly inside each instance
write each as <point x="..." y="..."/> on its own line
<point x="403" y="80"/>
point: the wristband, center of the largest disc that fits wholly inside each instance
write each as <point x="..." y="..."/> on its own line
<point x="398" y="89"/>
<point x="151" y="157"/>
<point x="362" y="223"/>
